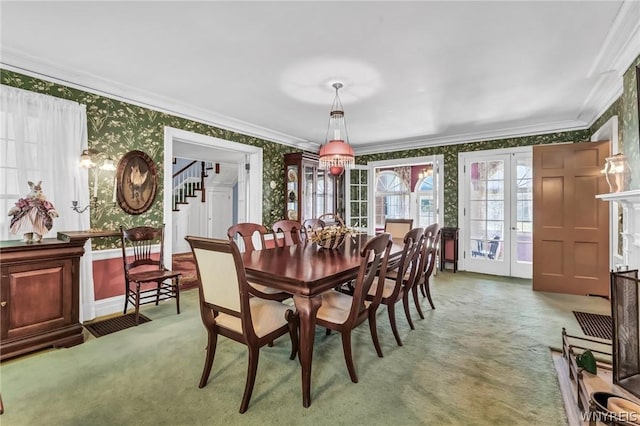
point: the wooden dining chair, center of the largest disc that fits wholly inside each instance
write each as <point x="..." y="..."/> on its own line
<point x="427" y="265"/>
<point x="290" y="232"/>
<point x="342" y="312"/>
<point x="227" y="309"/>
<point x="142" y="267"/>
<point x="398" y="284"/>
<point x="247" y="231"/>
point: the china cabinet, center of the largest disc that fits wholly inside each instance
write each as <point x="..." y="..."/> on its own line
<point x="310" y="191"/>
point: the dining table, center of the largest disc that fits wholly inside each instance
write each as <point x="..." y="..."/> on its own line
<point x="306" y="271"/>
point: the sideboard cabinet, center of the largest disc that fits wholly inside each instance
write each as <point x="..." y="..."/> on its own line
<point x="311" y="191"/>
<point x="39" y="296"/>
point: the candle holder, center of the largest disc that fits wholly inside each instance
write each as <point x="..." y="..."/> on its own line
<point x="93" y="203"/>
<point x="88" y="160"/>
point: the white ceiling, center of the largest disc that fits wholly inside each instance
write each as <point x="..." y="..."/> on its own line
<point x="415" y="73"/>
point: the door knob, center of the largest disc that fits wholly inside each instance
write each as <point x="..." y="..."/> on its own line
<point x="3" y="303"/>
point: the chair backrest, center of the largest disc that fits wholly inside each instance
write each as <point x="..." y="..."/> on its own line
<point x="409" y="266"/>
<point x="494" y="244"/>
<point x="246" y="231"/>
<point x="222" y="282"/>
<point x="430" y="249"/>
<point x="290" y="230"/>
<point x="140" y="241"/>
<point x="398" y="228"/>
<point x="374" y="259"/>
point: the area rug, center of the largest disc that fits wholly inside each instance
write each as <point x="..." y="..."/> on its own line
<point x="111" y="325"/>
<point x="186" y="265"/>
<point x="595" y="325"/>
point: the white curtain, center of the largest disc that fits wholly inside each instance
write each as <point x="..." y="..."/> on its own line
<point x="41" y="139"/>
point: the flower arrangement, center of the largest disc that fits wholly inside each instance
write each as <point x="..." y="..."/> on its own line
<point x="331" y="237"/>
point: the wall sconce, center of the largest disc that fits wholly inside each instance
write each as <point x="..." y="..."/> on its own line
<point x="617" y="172"/>
<point x="88" y="160"/>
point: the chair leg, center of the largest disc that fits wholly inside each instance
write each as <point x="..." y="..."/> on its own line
<point x="422" y="288"/>
<point x="373" y="328"/>
<point x="392" y="319"/>
<point x="416" y="302"/>
<point x="176" y="292"/>
<point x="426" y="285"/>
<point x="158" y="292"/>
<point x="251" y="377"/>
<point x="137" y="302"/>
<point x="211" y="353"/>
<point x="405" y="304"/>
<point x="293" y="320"/>
<point x="126" y="296"/>
<point x="348" y="357"/>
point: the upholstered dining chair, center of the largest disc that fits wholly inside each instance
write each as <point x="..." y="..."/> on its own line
<point x="398" y="228"/>
<point x="398" y="284"/>
<point x="142" y="267"/>
<point x="247" y="231"/>
<point x="342" y="312"/>
<point x="290" y="232"/>
<point x="227" y="309"/>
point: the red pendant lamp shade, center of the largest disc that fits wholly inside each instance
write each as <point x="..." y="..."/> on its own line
<point x="336" y="154"/>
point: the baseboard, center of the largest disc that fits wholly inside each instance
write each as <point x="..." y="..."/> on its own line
<point x="109" y="306"/>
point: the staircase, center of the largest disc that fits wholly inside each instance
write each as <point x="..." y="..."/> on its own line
<point x="188" y="180"/>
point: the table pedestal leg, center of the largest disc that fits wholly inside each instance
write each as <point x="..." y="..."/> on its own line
<point x="307" y="308"/>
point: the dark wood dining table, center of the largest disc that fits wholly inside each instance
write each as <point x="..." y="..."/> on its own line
<point x="306" y="271"/>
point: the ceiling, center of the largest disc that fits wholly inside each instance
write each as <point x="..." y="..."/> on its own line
<point x="414" y="73"/>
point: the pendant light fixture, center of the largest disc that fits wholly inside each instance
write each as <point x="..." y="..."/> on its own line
<point x="336" y="154"/>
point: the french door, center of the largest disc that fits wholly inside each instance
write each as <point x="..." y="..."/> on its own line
<point x="496" y="212"/>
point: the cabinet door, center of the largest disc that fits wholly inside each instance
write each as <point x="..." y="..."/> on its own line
<point x="307" y="204"/>
<point x="36" y="297"/>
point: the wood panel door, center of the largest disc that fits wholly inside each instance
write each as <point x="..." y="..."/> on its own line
<point x="570" y="226"/>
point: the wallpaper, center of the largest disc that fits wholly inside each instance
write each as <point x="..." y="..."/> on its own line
<point x="450" y="153"/>
<point x="629" y="122"/>
<point x="115" y="128"/>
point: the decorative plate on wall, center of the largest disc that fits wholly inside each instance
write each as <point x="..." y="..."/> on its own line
<point x="137" y="182"/>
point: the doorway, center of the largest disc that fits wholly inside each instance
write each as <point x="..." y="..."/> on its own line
<point x="248" y="158"/>
<point x="496" y="211"/>
<point x="405" y="188"/>
<point x="571" y="226"/>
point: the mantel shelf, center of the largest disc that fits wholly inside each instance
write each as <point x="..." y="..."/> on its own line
<point x="632" y="196"/>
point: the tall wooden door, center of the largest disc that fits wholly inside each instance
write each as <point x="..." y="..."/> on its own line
<point x="570" y="226"/>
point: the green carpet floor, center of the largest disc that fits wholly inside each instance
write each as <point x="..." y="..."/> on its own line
<point x="481" y="358"/>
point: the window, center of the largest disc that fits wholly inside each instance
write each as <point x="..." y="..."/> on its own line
<point x="392" y="197"/>
<point x="426" y="203"/>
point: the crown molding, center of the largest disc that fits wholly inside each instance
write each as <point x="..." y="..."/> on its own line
<point x="620" y="47"/>
<point x="46" y="70"/>
<point x="515" y="132"/>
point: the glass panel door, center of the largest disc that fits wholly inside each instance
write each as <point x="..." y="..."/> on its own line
<point x="522" y="230"/>
<point x="356" y="205"/>
<point x="486" y="215"/>
<point x="497" y="213"/>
